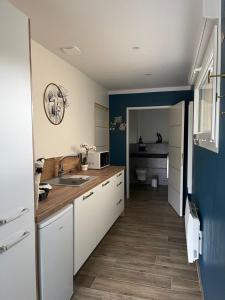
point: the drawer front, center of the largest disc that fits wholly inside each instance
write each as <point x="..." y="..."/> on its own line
<point x="120" y="206"/>
<point x="119" y="177"/>
<point x="118" y="188"/>
<point x="119" y="198"/>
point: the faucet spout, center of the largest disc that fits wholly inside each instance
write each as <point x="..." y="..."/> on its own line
<point x="61" y="167"/>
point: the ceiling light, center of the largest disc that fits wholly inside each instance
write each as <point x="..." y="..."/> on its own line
<point x="71" y="50"/>
<point x="136" y="48"/>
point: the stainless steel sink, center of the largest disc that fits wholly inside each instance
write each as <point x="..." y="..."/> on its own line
<point x="71" y="180"/>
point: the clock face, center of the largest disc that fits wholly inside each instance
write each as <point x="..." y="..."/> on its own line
<point x="54" y="103"/>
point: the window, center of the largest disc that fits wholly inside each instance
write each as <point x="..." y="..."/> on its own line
<point x="101" y="127"/>
<point x="206" y="104"/>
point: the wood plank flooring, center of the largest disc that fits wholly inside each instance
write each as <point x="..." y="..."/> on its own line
<point x="142" y="257"/>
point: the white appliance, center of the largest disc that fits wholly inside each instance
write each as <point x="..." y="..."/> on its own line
<point x="141" y="174"/>
<point x="17" y="229"/>
<point x="98" y="159"/>
<point x="193" y="233"/>
<point x="55" y="243"/>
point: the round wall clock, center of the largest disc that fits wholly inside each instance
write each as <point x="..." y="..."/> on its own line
<point x="54" y="103"/>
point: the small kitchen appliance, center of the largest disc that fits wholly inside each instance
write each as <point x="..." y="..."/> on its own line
<point x="98" y="159"/>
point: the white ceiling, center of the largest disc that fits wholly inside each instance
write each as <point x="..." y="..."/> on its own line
<point x="167" y="32"/>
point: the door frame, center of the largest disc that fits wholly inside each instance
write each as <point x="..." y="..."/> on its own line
<point x="128" y="109"/>
<point x="190" y="146"/>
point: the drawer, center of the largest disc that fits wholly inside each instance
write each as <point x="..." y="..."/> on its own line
<point x="119" y="206"/>
<point x="119" y="177"/>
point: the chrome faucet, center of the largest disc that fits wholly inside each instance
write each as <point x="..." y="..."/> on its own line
<point x="61" y="169"/>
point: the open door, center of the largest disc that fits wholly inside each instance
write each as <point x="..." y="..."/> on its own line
<point x="176" y="156"/>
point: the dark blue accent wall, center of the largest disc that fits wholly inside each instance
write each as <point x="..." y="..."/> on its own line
<point x="118" y="105"/>
<point x="209" y="193"/>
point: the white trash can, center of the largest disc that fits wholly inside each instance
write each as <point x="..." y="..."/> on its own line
<point x="155" y="182"/>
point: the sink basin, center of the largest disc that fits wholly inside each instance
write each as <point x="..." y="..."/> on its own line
<point x="71" y="180"/>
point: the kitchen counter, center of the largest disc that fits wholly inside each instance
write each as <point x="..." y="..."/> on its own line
<point x="60" y="196"/>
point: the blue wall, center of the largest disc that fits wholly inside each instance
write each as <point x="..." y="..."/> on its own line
<point x="118" y="105"/>
<point x="209" y="193"/>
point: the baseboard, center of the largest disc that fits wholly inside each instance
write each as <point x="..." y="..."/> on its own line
<point x="200" y="280"/>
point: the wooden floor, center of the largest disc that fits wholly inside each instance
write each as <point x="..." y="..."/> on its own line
<point x="143" y="256"/>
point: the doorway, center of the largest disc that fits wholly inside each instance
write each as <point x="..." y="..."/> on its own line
<point x="144" y="123"/>
<point x="156" y="158"/>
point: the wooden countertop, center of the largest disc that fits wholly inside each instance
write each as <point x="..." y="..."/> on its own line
<point x="60" y="196"/>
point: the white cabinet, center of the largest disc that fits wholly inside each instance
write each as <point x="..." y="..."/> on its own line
<point x="86" y="225"/>
<point x="94" y="214"/>
<point x="106" y="206"/>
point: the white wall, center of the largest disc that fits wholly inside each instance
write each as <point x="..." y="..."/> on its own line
<point x="147" y="123"/>
<point x="78" y="124"/>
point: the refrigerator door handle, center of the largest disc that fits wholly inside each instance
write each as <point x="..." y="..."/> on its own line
<point x="5" y="248"/>
<point x="18" y="215"/>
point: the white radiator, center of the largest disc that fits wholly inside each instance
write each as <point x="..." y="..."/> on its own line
<point x="193" y="233"/>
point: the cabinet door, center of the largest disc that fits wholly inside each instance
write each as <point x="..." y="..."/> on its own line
<point x="86" y="225"/>
<point x="17" y="271"/>
<point x="15" y="115"/>
<point x="106" y="200"/>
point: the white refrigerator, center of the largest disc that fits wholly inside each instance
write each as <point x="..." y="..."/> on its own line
<point x="17" y="233"/>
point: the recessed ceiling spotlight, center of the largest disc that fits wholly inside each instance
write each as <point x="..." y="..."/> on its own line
<point x="136" y="48"/>
<point x="71" y="50"/>
<point x="148" y="74"/>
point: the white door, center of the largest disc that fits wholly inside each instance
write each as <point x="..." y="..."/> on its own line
<point x="176" y="150"/>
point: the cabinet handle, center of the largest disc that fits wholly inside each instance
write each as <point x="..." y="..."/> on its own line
<point x="89" y="195"/>
<point x="119" y="202"/>
<point x="119" y="183"/>
<point x="18" y="215"/>
<point x="104" y="184"/>
<point x="118" y="175"/>
<point x="5" y="248"/>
